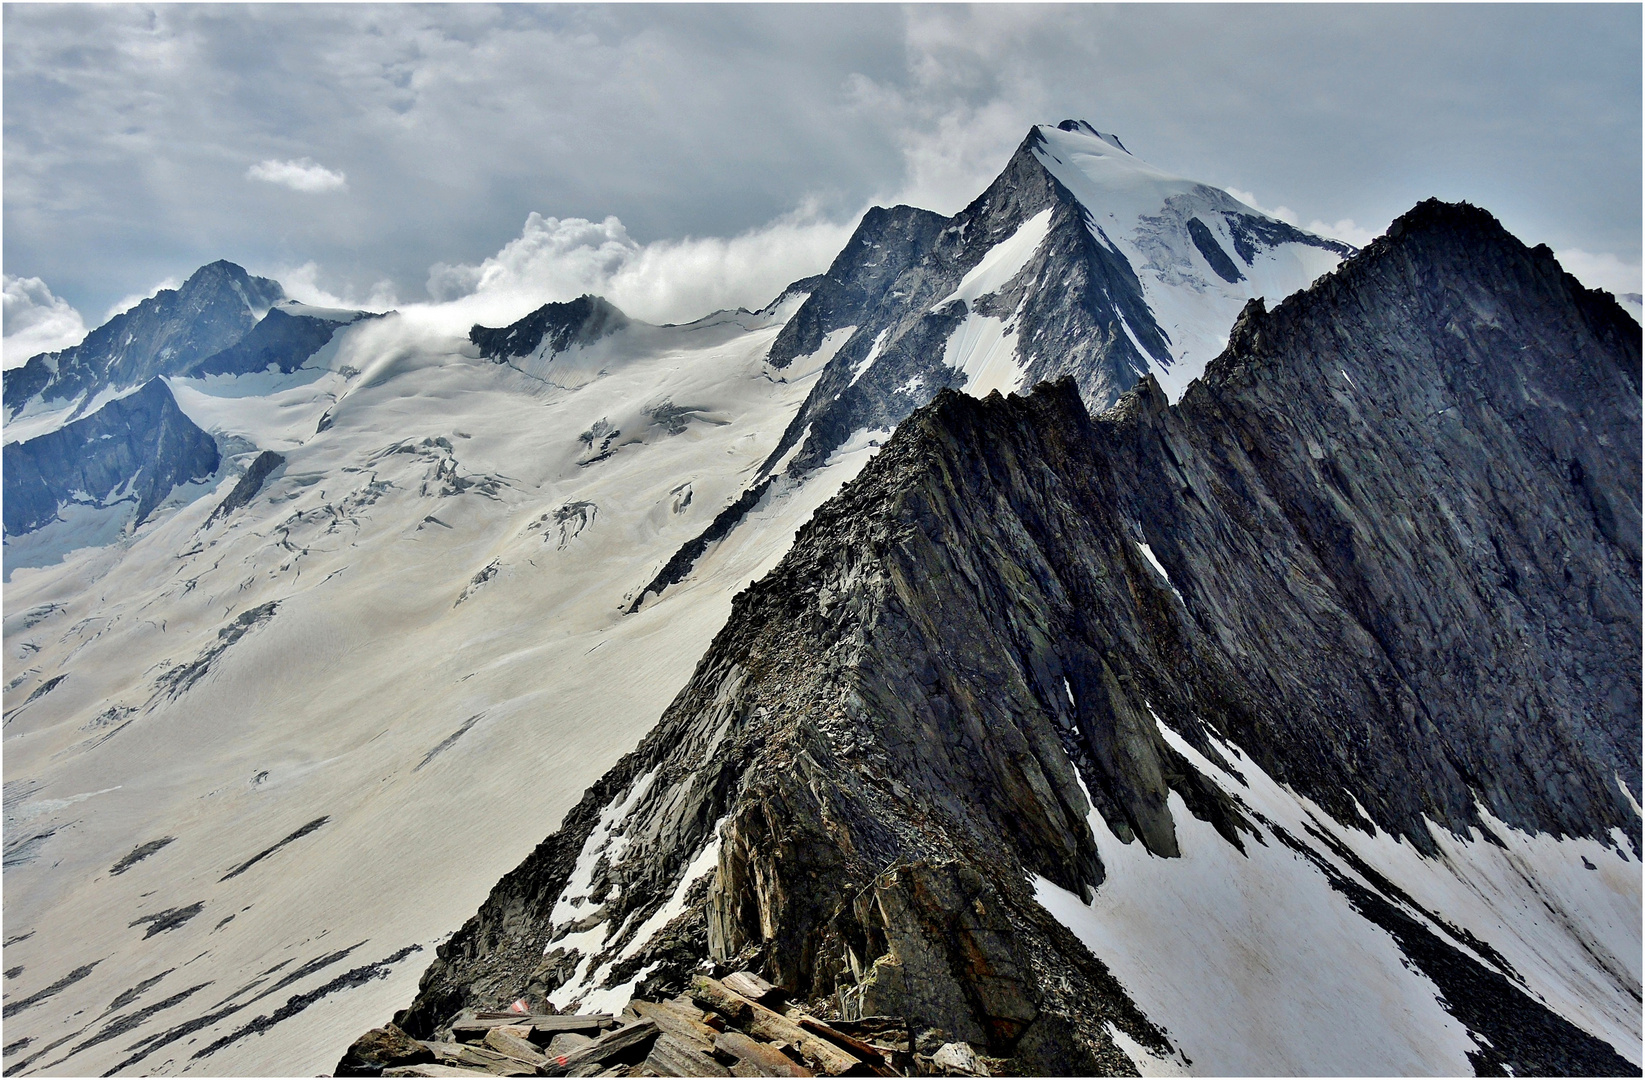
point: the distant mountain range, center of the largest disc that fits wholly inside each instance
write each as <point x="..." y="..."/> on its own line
<point x="1109" y="628"/>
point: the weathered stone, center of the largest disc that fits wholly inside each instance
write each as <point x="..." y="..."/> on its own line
<point x="382" y="1048"/>
<point x="762" y="1058"/>
<point x="565" y="1042"/>
<point x="478" y="1056"/>
<point x="544" y="1028"/>
<point x="474" y="1029"/>
<point x="672" y="1021"/>
<point x="761" y="1022"/>
<point x="626" y="1045"/>
<point x="752" y="987"/>
<point x="675" y="1057"/>
<point x="959" y="1059"/>
<point x="867" y="1051"/>
<point x="436" y="1070"/>
<point x="506" y="1041"/>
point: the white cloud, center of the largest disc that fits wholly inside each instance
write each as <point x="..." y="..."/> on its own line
<point x="304" y="174"/>
<point x="303" y="283"/>
<point x="1601" y="271"/>
<point x="665" y="281"/>
<point x="126" y="303"/>
<point x="36" y="321"/>
<point x="1346" y="229"/>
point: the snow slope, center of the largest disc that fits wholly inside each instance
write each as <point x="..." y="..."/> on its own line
<point x="445" y="667"/>
<point x="1240" y="956"/>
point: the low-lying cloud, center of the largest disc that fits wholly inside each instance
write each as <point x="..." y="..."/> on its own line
<point x="36" y="321"/>
<point x="1601" y="271"/>
<point x="664" y="281"/>
<point x="303" y="174"/>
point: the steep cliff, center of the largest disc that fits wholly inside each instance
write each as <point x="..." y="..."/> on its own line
<point x="134" y="449"/>
<point x="1384" y="559"/>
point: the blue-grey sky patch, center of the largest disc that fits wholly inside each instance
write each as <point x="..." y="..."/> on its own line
<point x="373" y="152"/>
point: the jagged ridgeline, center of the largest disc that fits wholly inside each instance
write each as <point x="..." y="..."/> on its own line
<point x="1388" y="547"/>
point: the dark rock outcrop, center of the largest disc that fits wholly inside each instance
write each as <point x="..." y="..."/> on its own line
<point x="553" y="328"/>
<point x="164" y="335"/>
<point x="249" y="485"/>
<point x="886" y="244"/>
<point x="382" y="1048"/>
<point x="1401" y="522"/>
<point x="283" y="339"/>
<point x="136" y="448"/>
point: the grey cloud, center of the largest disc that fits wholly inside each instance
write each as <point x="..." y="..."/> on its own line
<point x="129" y="131"/>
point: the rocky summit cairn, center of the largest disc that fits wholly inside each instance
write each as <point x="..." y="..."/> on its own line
<point x="740" y="1025"/>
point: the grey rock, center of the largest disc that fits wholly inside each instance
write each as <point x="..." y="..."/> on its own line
<point x="137" y="448"/>
<point x="284" y="339"/>
<point x="166" y="334"/>
<point x="957" y="1058"/>
<point x="382" y="1048"/>
<point x="262" y="466"/>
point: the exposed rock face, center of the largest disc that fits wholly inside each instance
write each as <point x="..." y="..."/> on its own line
<point x="1075" y="305"/>
<point x="1401" y="526"/>
<point x="164" y="335"/>
<point x="137" y="449"/>
<point x="382" y="1048"/>
<point x="551" y="329"/>
<point x="284" y="339"/>
<point x="886" y="244"/>
<point x="250" y="484"/>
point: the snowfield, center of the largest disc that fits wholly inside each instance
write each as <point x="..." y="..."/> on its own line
<point x="1256" y="966"/>
<point x="434" y="665"/>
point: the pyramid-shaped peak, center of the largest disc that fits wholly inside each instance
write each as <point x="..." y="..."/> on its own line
<point x="1081" y="127"/>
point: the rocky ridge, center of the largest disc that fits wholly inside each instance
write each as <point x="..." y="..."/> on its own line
<point x="166" y="334"/>
<point x="551" y="329"/>
<point x="1389" y="545"/>
<point x="136" y="448"/>
<point x="284" y="339"/>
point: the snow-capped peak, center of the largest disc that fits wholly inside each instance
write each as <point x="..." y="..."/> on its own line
<point x="1080" y="126"/>
<point x="1198" y="252"/>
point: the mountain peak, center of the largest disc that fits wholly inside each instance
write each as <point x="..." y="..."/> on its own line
<point x="560" y="325"/>
<point x="1081" y="127"/>
<point x="165" y="334"/>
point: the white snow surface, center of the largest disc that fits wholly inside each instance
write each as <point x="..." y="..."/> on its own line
<point x="984" y="347"/>
<point x="1003" y="262"/>
<point x="445" y="674"/>
<point x="1255" y="966"/>
<point x="1142" y="213"/>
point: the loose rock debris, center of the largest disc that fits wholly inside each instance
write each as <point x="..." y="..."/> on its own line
<point x="735" y="1027"/>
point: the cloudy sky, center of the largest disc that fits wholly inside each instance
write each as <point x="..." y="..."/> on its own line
<point x="681" y="158"/>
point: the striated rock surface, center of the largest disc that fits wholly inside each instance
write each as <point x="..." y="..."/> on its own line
<point x="1389" y="546"/>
